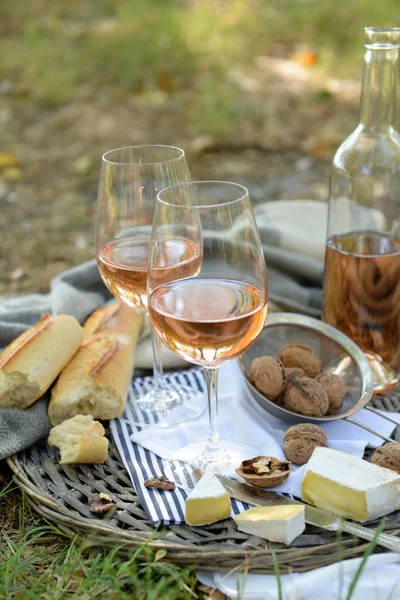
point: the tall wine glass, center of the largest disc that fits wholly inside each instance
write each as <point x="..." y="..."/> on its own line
<point x="213" y="315"/>
<point x="130" y="179"/>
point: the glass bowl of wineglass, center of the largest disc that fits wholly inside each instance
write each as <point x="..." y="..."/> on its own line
<point x="213" y="315"/>
<point x="130" y="179"/>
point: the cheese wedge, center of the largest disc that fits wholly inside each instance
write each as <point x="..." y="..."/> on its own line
<point x="349" y="486"/>
<point x="281" y="523"/>
<point x="208" y="502"/>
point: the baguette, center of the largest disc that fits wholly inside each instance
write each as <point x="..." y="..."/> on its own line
<point x="96" y="381"/>
<point x="30" y="364"/>
<point x="80" y="440"/>
<point x="115" y="320"/>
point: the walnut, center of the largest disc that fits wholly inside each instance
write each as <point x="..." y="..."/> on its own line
<point x="303" y="357"/>
<point x="306" y="397"/>
<point x="268" y="375"/>
<point x="264" y="471"/>
<point x="300" y="440"/>
<point x="335" y="389"/>
<point x="100" y="503"/>
<point x="159" y="483"/>
<point x="294" y="372"/>
<point x="388" y="456"/>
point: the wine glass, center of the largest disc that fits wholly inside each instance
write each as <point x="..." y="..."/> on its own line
<point x="130" y="179"/>
<point x="213" y="315"/>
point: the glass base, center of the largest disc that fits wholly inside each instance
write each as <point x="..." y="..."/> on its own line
<point x="181" y="464"/>
<point x="166" y="406"/>
<point x="386" y="379"/>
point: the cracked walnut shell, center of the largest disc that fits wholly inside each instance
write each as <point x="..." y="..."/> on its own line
<point x="264" y="471"/>
<point x="387" y="456"/>
<point x="302" y="357"/>
<point x="336" y="391"/>
<point x="268" y="375"/>
<point x="301" y="440"/>
<point x="306" y="397"/>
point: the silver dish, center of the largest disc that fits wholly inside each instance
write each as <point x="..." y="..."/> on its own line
<point x="338" y="353"/>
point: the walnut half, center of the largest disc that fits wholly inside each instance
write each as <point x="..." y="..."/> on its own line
<point x="159" y="483"/>
<point x="100" y="503"/>
<point x="264" y="471"/>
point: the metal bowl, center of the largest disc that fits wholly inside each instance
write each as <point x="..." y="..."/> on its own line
<point x="338" y="353"/>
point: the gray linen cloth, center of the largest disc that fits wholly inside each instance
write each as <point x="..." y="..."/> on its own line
<point x="294" y="258"/>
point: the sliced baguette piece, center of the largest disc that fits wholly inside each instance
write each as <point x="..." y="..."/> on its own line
<point x="80" y="440"/>
<point x="30" y="364"/>
<point x="97" y="379"/>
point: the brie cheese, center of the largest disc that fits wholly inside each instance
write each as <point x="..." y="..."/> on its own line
<point x="282" y="523"/>
<point x="349" y="486"/>
<point x="208" y="502"/>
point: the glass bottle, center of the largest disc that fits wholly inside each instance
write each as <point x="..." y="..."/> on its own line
<point x="362" y="263"/>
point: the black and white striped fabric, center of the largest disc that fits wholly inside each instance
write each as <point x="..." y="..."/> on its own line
<point x="162" y="507"/>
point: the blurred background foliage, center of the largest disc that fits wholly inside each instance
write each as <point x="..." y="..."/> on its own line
<point x="257" y="91"/>
<point x="51" y="47"/>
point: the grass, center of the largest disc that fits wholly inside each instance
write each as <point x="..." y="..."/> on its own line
<point x="52" y="50"/>
<point x="39" y="562"/>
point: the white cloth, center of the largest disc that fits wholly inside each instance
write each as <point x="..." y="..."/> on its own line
<point x="241" y="419"/>
<point x="380" y="580"/>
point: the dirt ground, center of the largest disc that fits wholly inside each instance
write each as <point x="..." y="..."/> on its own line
<point x="280" y="146"/>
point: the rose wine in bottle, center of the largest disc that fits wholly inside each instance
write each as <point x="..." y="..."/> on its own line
<point x="362" y="264"/>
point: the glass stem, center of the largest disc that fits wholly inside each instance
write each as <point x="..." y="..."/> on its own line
<point x="157" y="360"/>
<point x="214" y="448"/>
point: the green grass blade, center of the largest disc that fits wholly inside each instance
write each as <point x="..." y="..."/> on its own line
<point x="277" y="574"/>
<point x="366" y="555"/>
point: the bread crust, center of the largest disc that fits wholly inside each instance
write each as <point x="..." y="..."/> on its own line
<point x="22" y="341"/>
<point x="38" y="355"/>
<point x="96" y="381"/>
<point x="117" y="319"/>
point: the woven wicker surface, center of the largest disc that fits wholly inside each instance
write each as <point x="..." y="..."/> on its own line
<point x="60" y="493"/>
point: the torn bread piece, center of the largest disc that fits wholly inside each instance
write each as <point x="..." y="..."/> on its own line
<point x="80" y="440"/>
<point x="30" y="364"/>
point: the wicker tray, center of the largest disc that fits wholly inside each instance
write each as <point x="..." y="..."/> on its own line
<point x="59" y="493"/>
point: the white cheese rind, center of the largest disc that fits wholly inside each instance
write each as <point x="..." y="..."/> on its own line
<point x="258" y="521"/>
<point x="207" y="487"/>
<point x="208" y="502"/>
<point x="380" y="488"/>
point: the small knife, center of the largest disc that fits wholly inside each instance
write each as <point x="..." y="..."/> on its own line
<point x="313" y="516"/>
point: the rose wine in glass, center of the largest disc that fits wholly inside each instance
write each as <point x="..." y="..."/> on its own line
<point x="213" y="316"/>
<point x="208" y="321"/>
<point x="123" y="266"/>
<point x="130" y="179"/>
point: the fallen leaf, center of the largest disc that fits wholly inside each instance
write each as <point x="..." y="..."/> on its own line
<point x="212" y="593"/>
<point x="11" y="174"/>
<point x="165" y="82"/>
<point x="160" y="555"/>
<point x="8" y="160"/>
<point x="17" y="274"/>
<point x="305" y="58"/>
<point x="82" y="165"/>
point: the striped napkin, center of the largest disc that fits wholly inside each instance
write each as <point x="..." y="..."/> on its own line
<point x="143" y="450"/>
<point x="166" y="508"/>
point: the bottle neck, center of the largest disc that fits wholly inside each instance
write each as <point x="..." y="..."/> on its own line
<point x="378" y="95"/>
